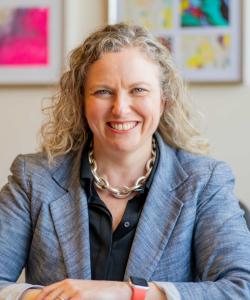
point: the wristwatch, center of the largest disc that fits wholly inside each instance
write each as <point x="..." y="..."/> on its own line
<point x="139" y="287"/>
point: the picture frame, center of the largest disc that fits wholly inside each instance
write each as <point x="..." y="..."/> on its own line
<point x="205" y="45"/>
<point x="30" y="42"/>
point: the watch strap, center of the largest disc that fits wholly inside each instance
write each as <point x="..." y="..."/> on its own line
<point x="139" y="287"/>
<point x="138" y="293"/>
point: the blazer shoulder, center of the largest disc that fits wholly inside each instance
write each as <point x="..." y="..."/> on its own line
<point x="38" y="179"/>
<point x="204" y="166"/>
<point x="31" y="163"/>
<point x="36" y="167"/>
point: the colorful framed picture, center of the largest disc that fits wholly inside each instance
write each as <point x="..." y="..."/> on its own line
<point x="204" y="36"/>
<point x="30" y="41"/>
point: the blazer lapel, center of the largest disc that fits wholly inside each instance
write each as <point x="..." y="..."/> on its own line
<point x="70" y="217"/>
<point x="159" y="215"/>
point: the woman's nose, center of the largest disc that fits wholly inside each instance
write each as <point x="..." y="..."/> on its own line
<point x="120" y="104"/>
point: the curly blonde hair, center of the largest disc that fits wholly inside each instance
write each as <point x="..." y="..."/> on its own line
<point x="66" y="128"/>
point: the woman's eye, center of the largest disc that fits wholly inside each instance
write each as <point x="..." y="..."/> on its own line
<point x="138" y="90"/>
<point x="103" y="92"/>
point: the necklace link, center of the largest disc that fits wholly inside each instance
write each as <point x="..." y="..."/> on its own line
<point x="125" y="191"/>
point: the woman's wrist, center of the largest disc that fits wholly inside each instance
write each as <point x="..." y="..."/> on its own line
<point x="126" y="290"/>
<point x="30" y="294"/>
<point x="155" y="293"/>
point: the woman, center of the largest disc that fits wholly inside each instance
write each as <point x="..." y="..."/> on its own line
<point x="121" y="189"/>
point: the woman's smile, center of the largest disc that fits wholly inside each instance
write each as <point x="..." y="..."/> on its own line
<point x="122" y="127"/>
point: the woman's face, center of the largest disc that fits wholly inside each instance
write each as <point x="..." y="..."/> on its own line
<point x="123" y="101"/>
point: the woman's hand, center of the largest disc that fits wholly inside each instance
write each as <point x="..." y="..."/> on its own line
<point x="74" y="289"/>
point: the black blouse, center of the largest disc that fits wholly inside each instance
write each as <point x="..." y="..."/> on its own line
<point x="109" y="250"/>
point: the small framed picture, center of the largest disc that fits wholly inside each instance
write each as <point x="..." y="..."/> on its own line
<point x="203" y="36"/>
<point x="30" y="41"/>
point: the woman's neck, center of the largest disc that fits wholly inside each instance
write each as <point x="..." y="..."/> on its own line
<point x="122" y="169"/>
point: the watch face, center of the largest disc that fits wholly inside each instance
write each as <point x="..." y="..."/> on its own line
<point x="138" y="281"/>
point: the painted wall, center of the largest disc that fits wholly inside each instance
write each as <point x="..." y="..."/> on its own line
<point x="226" y="108"/>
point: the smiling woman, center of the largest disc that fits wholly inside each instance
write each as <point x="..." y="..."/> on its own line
<point x="121" y="202"/>
<point x="67" y="128"/>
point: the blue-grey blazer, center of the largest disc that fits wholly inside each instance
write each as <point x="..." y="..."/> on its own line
<point x="191" y="231"/>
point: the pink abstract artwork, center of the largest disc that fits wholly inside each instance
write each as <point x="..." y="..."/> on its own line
<point x="24" y="36"/>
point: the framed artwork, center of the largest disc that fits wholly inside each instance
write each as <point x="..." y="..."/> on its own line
<point x="30" y="41"/>
<point x="204" y="36"/>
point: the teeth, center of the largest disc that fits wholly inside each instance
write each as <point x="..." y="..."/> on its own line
<point x="122" y="126"/>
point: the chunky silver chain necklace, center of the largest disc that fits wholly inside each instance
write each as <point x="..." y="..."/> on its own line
<point x="125" y="191"/>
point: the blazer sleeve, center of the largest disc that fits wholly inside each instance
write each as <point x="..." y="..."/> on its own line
<point x="221" y="242"/>
<point x="15" y="230"/>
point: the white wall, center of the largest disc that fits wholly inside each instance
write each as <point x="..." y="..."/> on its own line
<point x="227" y="120"/>
<point x="20" y="118"/>
<point x="226" y="107"/>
